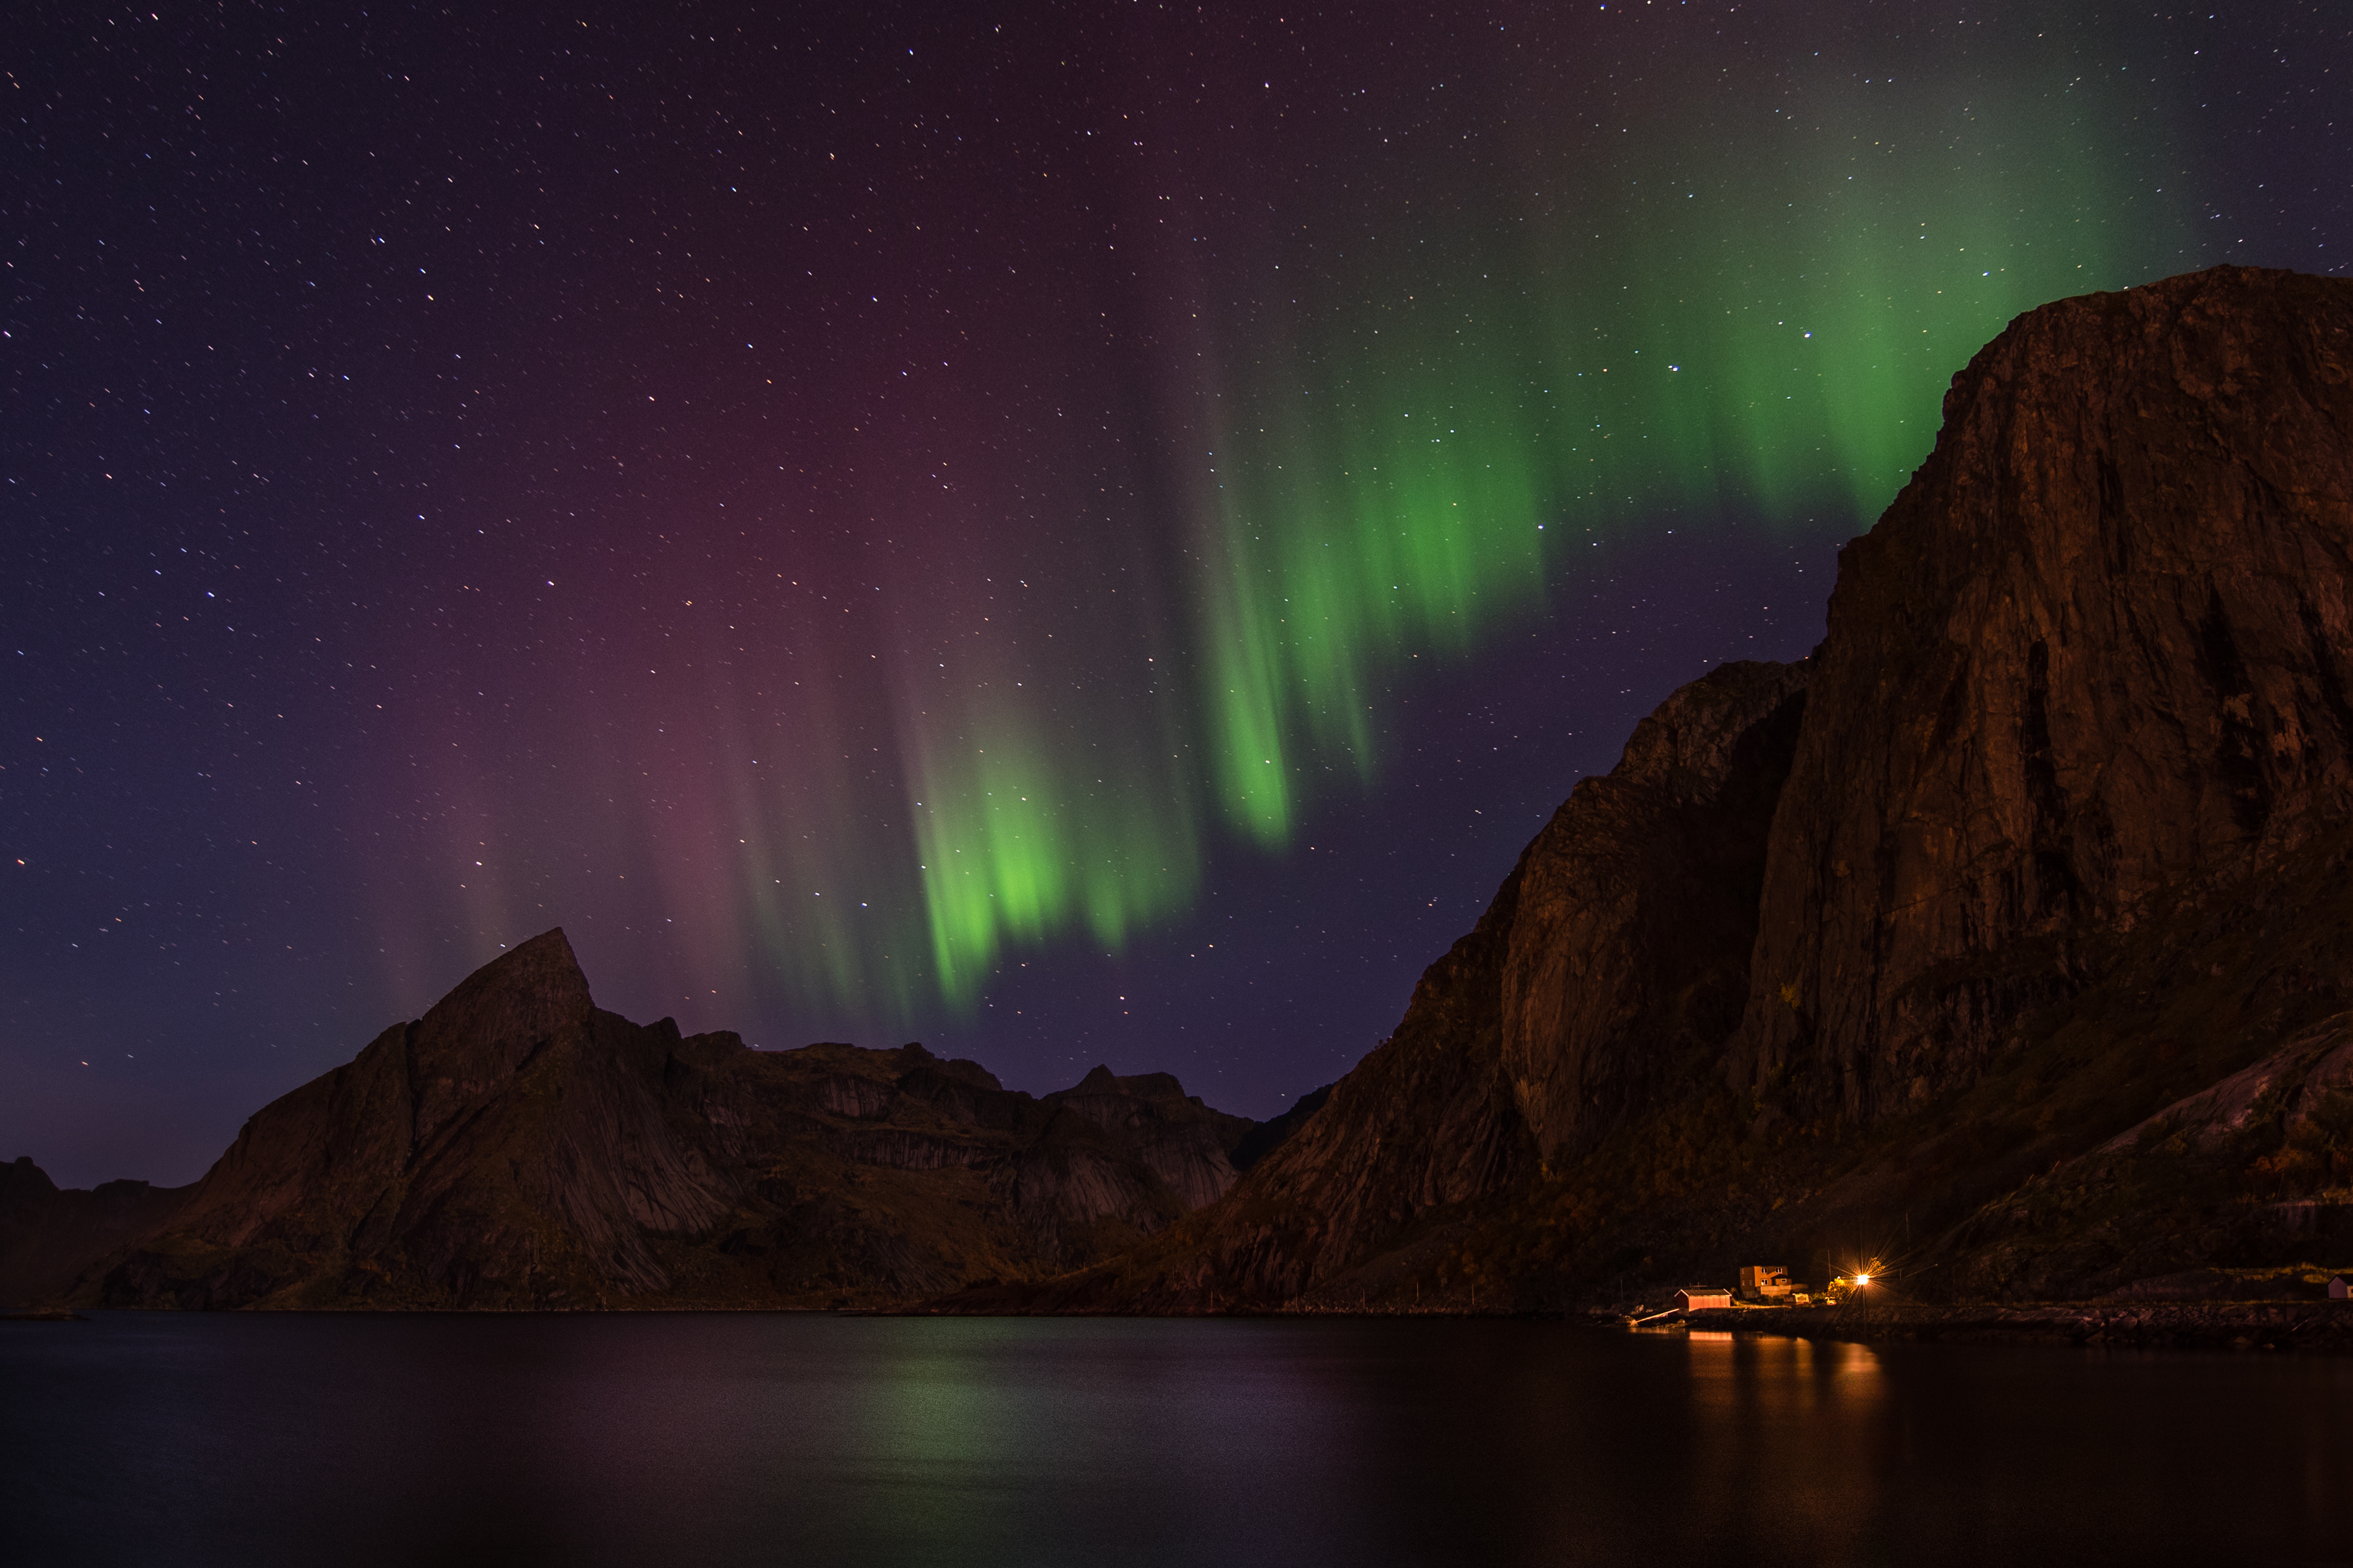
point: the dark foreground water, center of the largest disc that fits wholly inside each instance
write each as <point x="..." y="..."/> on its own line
<point x="814" y="1440"/>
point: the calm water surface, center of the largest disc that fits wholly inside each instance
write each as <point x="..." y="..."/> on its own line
<point x="162" y="1438"/>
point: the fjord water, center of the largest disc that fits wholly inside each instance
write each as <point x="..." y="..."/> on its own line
<point x="642" y="1439"/>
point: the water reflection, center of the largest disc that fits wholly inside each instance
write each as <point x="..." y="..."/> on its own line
<point x="1785" y="1440"/>
<point x="821" y="1440"/>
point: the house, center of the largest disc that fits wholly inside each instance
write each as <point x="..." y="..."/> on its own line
<point x="1699" y="1298"/>
<point x="2338" y="1289"/>
<point x="1766" y="1282"/>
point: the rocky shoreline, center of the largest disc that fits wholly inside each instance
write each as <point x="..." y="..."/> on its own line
<point x="2325" y="1326"/>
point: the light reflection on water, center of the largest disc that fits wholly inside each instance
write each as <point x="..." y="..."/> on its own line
<point x="631" y="1440"/>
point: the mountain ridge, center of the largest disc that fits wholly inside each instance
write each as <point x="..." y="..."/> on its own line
<point x="520" y="1147"/>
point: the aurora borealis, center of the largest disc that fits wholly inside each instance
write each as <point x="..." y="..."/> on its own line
<point x="916" y="522"/>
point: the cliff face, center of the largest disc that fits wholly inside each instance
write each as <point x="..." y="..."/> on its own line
<point x="1609" y="964"/>
<point x="1626" y="961"/>
<point x="520" y="1147"/>
<point x="1881" y="950"/>
<point x="2096" y="651"/>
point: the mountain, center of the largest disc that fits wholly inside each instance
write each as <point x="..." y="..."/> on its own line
<point x="49" y="1235"/>
<point x="2006" y="937"/>
<point x="520" y="1147"/>
<point x="2007" y="941"/>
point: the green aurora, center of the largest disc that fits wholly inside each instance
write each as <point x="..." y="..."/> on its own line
<point x="1755" y="309"/>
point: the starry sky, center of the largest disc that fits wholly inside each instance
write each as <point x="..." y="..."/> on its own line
<point x="1069" y="532"/>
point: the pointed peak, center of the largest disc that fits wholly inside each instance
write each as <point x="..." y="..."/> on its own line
<point x="551" y="944"/>
<point x="547" y="955"/>
<point x="1100" y="1080"/>
<point x="525" y="995"/>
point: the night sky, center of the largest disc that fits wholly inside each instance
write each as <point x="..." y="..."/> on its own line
<point x="1072" y="533"/>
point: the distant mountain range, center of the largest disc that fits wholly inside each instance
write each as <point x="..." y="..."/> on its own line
<point x="518" y="1147"/>
<point x="2008" y="940"/>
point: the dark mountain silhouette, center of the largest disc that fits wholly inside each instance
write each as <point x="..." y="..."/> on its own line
<point x="520" y="1147"/>
<point x="49" y="1235"/>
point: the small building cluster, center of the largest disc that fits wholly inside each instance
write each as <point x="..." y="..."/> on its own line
<point x="1761" y="1285"/>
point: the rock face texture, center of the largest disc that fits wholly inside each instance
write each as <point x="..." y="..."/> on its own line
<point x="2096" y="649"/>
<point x="2052" y="831"/>
<point x="520" y="1147"/>
<point x="2254" y="1170"/>
<point x="1628" y="958"/>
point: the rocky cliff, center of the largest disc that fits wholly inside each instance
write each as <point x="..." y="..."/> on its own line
<point x="520" y="1147"/>
<point x="2094" y="654"/>
<point x="1882" y="952"/>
